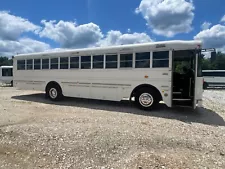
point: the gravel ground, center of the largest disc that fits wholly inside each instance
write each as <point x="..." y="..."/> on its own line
<point x="78" y="133"/>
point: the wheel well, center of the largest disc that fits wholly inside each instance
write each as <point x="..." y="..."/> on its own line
<point x="52" y="83"/>
<point x="159" y="96"/>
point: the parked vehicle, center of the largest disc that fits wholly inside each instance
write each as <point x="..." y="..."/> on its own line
<point x="143" y="73"/>
<point x="6" y="75"/>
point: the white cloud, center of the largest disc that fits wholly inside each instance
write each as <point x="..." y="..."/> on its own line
<point x="222" y="19"/>
<point x="117" y="38"/>
<point x="70" y="35"/>
<point x="213" y="37"/>
<point x="205" y="25"/>
<point x="25" y="45"/>
<point x="11" y="27"/>
<point x="167" y="17"/>
<point x="67" y="34"/>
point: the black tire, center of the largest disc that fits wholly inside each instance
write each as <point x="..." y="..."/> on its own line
<point x="54" y="92"/>
<point x="205" y="85"/>
<point x="11" y="84"/>
<point x="150" y="95"/>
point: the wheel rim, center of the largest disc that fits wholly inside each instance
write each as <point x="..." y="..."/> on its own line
<point x="53" y="93"/>
<point x="146" y="99"/>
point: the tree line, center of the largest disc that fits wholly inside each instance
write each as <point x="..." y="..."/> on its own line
<point x="217" y="64"/>
<point x="207" y="63"/>
<point x="5" y="61"/>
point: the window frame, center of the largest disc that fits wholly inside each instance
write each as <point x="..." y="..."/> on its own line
<point x="70" y="63"/>
<point x="44" y="64"/>
<point x="103" y="61"/>
<point x="60" y="63"/>
<point x="32" y="64"/>
<point x="9" y="70"/>
<point x="138" y="60"/>
<point x="37" y="64"/>
<point x="56" y="58"/>
<point x="117" y="61"/>
<point x="152" y="59"/>
<point x="132" y="64"/>
<point x="83" y="56"/>
<point x="17" y="63"/>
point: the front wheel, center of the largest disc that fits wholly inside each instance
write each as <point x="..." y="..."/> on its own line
<point x="54" y="93"/>
<point x="146" y="99"/>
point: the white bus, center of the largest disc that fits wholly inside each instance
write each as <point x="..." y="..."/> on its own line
<point x="143" y="73"/>
<point x="6" y="75"/>
<point x="214" y="78"/>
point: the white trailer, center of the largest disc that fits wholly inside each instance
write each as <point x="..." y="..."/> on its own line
<point x="144" y="73"/>
<point x="214" y="78"/>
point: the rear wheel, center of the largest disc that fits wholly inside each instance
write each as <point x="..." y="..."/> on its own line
<point x="146" y="99"/>
<point x="54" y="93"/>
<point x="11" y="83"/>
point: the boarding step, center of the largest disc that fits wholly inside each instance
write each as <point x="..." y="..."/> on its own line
<point x="177" y="93"/>
<point x="182" y="102"/>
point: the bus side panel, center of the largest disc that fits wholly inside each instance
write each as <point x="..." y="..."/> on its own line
<point x="76" y="89"/>
<point x="30" y="85"/>
<point x="114" y="85"/>
<point x="29" y="80"/>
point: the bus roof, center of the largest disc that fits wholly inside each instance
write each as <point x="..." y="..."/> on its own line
<point x="6" y="66"/>
<point x="173" y="44"/>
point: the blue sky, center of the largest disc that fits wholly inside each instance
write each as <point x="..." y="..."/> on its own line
<point x="35" y="26"/>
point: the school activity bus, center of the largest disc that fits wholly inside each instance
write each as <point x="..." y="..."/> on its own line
<point x="213" y="78"/>
<point x="142" y="73"/>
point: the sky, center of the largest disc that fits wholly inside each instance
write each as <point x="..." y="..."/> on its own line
<point x="34" y="26"/>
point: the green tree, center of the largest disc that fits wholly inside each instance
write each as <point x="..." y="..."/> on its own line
<point x="206" y="64"/>
<point x="5" y="61"/>
<point x="219" y="63"/>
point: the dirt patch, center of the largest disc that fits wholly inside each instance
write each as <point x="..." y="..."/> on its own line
<point x="79" y="133"/>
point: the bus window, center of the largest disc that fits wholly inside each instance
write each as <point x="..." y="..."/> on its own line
<point x="7" y="72"/>
<point x="142" y="60"/>
<point x="126" y="60"/>
<point x="74" y="62"/>
<point x="45" y="63"/>
<point x="98" y="62"/>
<point x="54" y="63"/>
<point x="20" y="64"/>
<point x="64" y="63"/>
<point x="29" y="64"/>
<point x="214" y="74"/>
<point x="37" y="64"/>
<point x="86" y="62"/>
<point x="160" y="59"/>
<point x="111" y="61"/>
